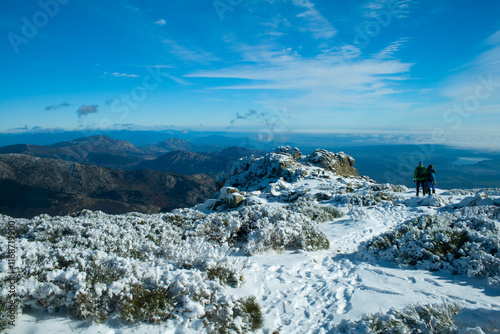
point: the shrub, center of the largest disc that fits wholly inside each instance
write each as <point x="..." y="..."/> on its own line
<point x="316" y="212"/>
<point x="467" y="244"/>
<point x="246" y="316"/>
<point x="413" y="319"/>
<point x="251" y="311"/>
<point x="5" y="320"/>
<point x="143" y="304"/>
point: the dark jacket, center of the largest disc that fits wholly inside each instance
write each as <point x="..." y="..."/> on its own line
<point x="424" y="173"/>
<point x="431" y="175"/>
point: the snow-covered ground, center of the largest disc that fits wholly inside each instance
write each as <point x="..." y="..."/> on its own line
<point x="387" y="249"/>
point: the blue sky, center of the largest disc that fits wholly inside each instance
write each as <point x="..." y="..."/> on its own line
<point x="428" y="67"/>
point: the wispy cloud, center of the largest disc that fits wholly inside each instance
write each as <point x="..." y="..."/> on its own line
<point x="483" y="70"/>
<point x="279" y="70"/>
<point x="494" y="39"/>
<point x="185" y="53"/>
<point x="389" y="51"/>
<point x="328" y="84"/>
<point x="84" y="110"/>
<point x="317" y="24"/>
<point x="180" y="81"/>
<point x="57" y="106"/>
<point x="121" y="75"/>
<point x="389" y="9"/>
<point x="271" y="121"/>
<point x="161" y="22"/>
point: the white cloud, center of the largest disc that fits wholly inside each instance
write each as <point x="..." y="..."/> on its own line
<point x="178" y="80"/>
<point x="479" y="78"/>
<point x="122" y="75"/>
<point x="286" y="70"/>
<point x="315" y="82"/>
<point x="184" y="53"/>
<point x="317" y="24"/>
<point x="494" y="39"/>
<point x="161" y="22"/>
<point x="386" y="10"/>
<point x="389" y="51"/>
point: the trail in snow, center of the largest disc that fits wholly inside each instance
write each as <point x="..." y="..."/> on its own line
<point x="312" y="292"/>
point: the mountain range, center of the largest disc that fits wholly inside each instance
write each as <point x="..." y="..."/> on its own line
<point x="30" y="186"/>
<point x="114" y="176"/>
<point x="107" y="152"/>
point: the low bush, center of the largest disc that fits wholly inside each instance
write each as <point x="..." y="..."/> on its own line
<point x="415" y="319"/>
<point x="461" y="244"/>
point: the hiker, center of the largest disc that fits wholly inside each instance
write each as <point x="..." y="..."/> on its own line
<point x="431" y="177"/>
<point x="419" y="176"/>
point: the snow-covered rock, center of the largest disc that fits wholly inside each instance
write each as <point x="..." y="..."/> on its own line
<point x="481" y="198"/>
<point x="252" y="173"/>
<point x="231" y="196"/>
<point x="478" y="320"/>
<point x="433" y="200"/>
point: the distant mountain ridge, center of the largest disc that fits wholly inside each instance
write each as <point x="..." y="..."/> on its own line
<point x="186" y="162"/>
<point x="114" y="176"/>
<point x="107" y="152"/>
<point x="31" y="185"/>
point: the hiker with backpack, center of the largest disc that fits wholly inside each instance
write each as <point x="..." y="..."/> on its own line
<point x="431" y="177"/>
<point x="419" y="176"/>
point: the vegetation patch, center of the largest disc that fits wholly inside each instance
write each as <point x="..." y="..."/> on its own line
<point x="413" y="319"/>
<point x="316" y="212"/>
<point x="140" y="268"/>
<point x="464" y="243"/>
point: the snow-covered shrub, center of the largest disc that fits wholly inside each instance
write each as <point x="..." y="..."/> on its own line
<point x="245" y="316"/>
<point x="251" y="309"/>
<point x="465" y="243"/>
<point x="389" y="187"/>
<point x="258" y="228"/>
<point x="5" y="320"/>
<point x="316" y="212"/>
<point x="413" y="319"/>
<point x="139" y="267"/>
<point x="272" y="228"/>
<point x="147" y="304"/>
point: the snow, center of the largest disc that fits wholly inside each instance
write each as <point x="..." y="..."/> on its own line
<point x="300" y="287"/>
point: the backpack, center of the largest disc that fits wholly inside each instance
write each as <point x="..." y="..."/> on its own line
<point x="431" y="176"/>
<point x="420" y="172"/>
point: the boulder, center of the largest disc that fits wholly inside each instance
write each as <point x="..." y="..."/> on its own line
<point x="339" y="163"/>
<point x="231" y="196"/>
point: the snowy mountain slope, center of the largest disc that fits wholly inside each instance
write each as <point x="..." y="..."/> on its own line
<point x="319" y="247"/>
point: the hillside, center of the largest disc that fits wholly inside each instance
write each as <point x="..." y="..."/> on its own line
<point x="96" y="150"/>
<point x="31" y="186"/>
<point x="290" y="243"/>
<point x="185" y="162"/>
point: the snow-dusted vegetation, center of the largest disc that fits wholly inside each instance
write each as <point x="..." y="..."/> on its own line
<point x="151" y="267"/>
<point x="289" y="244"/>
<point x="466" y="242"/>
<point x="413" y="319"/>
<point x="140" y="267"/>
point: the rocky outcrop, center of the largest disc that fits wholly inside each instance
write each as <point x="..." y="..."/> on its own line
<point x="287" y="163"/>
<point x="338" y="163"/>
<point x="273" y="173"/>
<point x="231" y="196"/>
